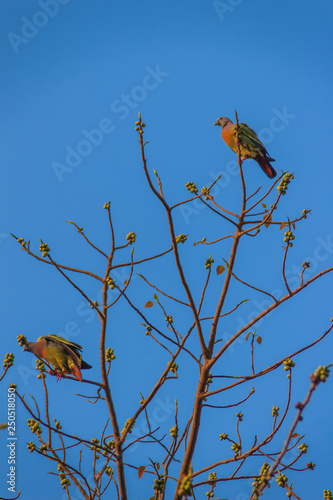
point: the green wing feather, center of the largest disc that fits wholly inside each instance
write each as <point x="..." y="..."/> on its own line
<point x="72" y="348"/>
<point x="250" y="140"/>
<point x="250" y="135"/>
<point x="245" y="129"/>
<point x="60" y="340"/>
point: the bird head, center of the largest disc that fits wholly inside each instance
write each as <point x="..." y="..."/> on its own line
<point x="222" y="121"/>
<point x="28" y="347"/>
<point x="35" y="347"/>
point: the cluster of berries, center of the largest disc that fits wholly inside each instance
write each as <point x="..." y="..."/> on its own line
<point x="109" y="355"/>
<point x="288" y="364"/>
<point x="34" y="426"/>
<point x="205" y="192"/>
<point x="159" y="484"/>
<point x="31" y="446"/>
<point x="174" y="431"/>
<point x="131" y="238"/>
<point x="43" y="247"/>
<point x="64" y="481"/>
<point x="181" y="238"/>
<point x="282" y="480"/>
<point x="22" y="340"/>
<point x="9" y="360"/>
<point x="303" y="448"/>
<point x="110" y="282"/>
<point x="186" y="486"/>
<point x="41" y="368"/>
<point x="169" y="319"/>
<point x="173" y="368"/>
<point x="283" y="186"/>
<point x="22" y="241"/>
<point x="209" y="262"/>
<point x="139" y="125"/>
<point x="262" y="478"/>
<point x="288" y="237"/>
<point x="191" y="187"/>
<point x="109" y="471"/>
<point x="127" y="423"/>
<point x="320" y="375"/>
<point x="236" y="447"/>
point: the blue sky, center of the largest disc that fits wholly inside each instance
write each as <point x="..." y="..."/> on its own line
<point x="75" y="75"/>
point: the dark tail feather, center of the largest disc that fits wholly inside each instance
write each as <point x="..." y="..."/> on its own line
<point x="85" y="366"/>
<point x="266" y="166"/>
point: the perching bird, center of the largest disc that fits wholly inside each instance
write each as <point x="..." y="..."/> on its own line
<point x="63" y="355"/>
<point x="250" y="146"/>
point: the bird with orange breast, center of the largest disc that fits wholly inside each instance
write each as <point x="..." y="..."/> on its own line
<point x="64" y="355"/>
<point x="250" y="146"/>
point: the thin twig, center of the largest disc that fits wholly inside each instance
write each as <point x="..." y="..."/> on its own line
<point x="253" y="287"/>
<point x="163" y="293"/>
<point x="87" y="240"/>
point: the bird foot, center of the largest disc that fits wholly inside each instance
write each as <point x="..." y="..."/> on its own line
<point x="59" y="375"/>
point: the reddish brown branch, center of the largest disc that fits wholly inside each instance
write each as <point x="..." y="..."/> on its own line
<point x="87" y="240"/>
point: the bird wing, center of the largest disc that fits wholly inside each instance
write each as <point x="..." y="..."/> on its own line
<point x="250" y="138"/>
<point x="61" y="340"/>
<point x="72" y="348"/>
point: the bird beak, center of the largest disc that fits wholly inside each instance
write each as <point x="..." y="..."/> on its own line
<point x="215" y="123"/>
<point x="25" y="348"/>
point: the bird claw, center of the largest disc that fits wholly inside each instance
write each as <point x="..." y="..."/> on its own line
<point x="57" y="374"/>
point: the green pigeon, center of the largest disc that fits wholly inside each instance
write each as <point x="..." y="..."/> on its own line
<point x="250" y="146"/>
<point x="65" y="356"/>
